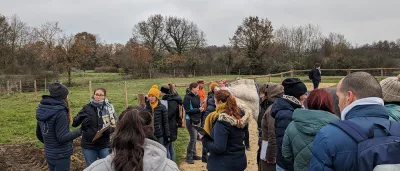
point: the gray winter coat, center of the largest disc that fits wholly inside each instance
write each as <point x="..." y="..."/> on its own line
<point x="154" y="159"/>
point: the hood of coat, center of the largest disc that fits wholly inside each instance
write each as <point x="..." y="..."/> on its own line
<point x="311" y="121"/>
<point x="239" y="123"/>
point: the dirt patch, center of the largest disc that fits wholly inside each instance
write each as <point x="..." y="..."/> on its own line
<point x="28" y="157"/>
<point x="251" y="155"/>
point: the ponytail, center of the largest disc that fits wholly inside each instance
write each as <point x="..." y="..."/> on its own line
<point x="172" y="89"/>
<point x="231" y="107"/>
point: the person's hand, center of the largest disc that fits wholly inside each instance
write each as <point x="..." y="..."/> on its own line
<point x="202" y="109"/>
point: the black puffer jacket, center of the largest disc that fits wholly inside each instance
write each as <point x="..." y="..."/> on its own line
<point x="194" y="111"/>
<point x="173" y="113"/>
<point x="161" y="126"/>
<point x="210" y="104"/>
<point x="91" y="123"/>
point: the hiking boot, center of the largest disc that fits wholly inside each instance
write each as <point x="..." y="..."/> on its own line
<point x="196" y="158"/>
<point x="190" y="161"/>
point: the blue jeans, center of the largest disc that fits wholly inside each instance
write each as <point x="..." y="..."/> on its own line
<point x="92" y="155"/>
<point x="279" y="168"/>
<point x="59" y="165"/>
<point x="170" y="151"/>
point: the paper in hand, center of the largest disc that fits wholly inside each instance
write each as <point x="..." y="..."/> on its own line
<point x="263" y="153"/>
<point x="100" y="133"/>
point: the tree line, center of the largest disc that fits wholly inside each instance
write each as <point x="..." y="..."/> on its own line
<point x="164" y="43"/>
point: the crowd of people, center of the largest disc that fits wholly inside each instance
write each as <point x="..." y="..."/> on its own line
<point x="298" y="130"/>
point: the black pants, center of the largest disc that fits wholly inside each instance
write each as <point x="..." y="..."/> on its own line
<point x="246" y="136"/>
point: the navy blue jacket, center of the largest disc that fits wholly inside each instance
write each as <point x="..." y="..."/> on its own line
<point x="227" y="151"/>
<point x="210" y="104"/>
<point x="282" y="111"/>
<point x="53" y="128"/>
<point x="160" y="120"/>
<point x="316" y="75"/>
<point x="333" y="149"/>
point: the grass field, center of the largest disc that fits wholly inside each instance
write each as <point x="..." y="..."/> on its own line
<point x="17" y="111"/>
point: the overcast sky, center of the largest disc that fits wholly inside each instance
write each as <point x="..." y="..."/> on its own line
<point x="361" y="21"/>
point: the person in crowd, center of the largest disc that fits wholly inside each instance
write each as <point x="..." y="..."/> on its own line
<point x="282" y="111"/>
<point x="191" y="103"/>
<point x="210" y="108"/>
<point x="222" y="83"/>
<point x="268" y="93"/>
<point x="360" y="102"/>
<point x="226" y="129"/>
<point x="160" y="114"/>
<point x="315" y="75"/>
<point x="53" y="119"/>
<point x="170" y="95"/>
<point x="134" y="146"/>
<point x="99" y="113"/>
<point x="299" y="135"/>
<point x="202" y="93"/>
<point x="391" y="96"/>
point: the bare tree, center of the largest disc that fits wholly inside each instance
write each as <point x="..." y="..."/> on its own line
<point x="150" y="32"/>
<point x="48" y="33"/>
<point x="181" y="35"/>
<point x="65" y="55"/>
<point x="251" y="37"/>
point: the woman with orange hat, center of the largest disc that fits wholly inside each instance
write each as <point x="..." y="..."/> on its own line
<point x="160" y="114"/>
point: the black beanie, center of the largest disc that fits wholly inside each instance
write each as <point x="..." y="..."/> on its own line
<point x="58" y="90"/>
<point x="294" y="87"/>
<point x="164" y="89"/>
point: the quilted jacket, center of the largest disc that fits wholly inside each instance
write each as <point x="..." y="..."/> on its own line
<point x="300" y="134"/>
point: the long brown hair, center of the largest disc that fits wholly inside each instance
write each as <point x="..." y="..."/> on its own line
<point x="129" y="139"/>
<point x="231" y="106"/>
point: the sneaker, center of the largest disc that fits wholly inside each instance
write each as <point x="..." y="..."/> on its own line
<point x="190" y="161"/>
<point x="196" y="158"/>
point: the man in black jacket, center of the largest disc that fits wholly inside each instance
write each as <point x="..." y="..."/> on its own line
<point x="315" y="75"/>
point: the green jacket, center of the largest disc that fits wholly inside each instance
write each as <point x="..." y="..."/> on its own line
<point x="300" y="134"/>
<point x="394" y="112"/>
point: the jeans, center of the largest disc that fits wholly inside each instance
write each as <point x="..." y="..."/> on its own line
<point x="191" y="148"/>
<point x="279" y="168"/>
<point x="316" y="84"/>
<point x="92" y="155"/>
<point x="170" y="151"/>
<point x="59" y="165"/>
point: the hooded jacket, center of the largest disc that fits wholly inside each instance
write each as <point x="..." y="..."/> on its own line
<point x="154" y="159"/>
<point x="300" y="134"/>
<point x="161" y="126"/>
<point x="191" y="104"/>
<point x="52" y="128"/>
<point x="173" y="114"/>
<point x="227" y="151"/>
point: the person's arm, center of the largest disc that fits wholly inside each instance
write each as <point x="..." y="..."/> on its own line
<point x="321" y="157"/>
<point x="63" y="134"/>
<point x="186" y="106"/>
<point x="220" y="139"/>
<point x="165" y="122"/>
<point x="78" y="119"/>
<point x="286" y="145"/>
<point x="39" y="133"/>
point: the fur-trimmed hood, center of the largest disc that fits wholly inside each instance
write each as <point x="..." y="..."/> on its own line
<point x="239" y="123"/>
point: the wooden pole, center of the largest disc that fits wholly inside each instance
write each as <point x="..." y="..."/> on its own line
<point x="291" y="73"/>
<point x="141" y="100"/>
<point x="45" y="85"/>
<point x="150" y="73"/>
<point x="239" y="71"/>
<point x="381" y="72"/>
<point x="269" y="77"/>
<point x="126" y="94"/>
<point x="35" y="87"/>
<point x="20" y="87"/>
<point x="211" y="73"/>
<point x="8" y="87"/>
<point x="174" y="74"/>
<point x="90" y="88"/>
<point x="348" y="72"/>
<point x="281" y="77"/>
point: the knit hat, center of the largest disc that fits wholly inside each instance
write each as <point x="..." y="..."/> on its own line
<point x="154" y="91"/>
<point x="213" y="85"/>
<point x="58" y="90"/>
<point x="273" y="91"/>
<point x="391" y="89"/>
<point x="294" y="87"/>
<point x="165" y="89"/>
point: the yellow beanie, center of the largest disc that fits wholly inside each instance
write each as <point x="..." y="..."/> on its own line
<point x="154" y="91"/>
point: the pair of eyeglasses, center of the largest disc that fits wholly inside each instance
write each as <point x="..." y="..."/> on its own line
<point x="100" y="95"/>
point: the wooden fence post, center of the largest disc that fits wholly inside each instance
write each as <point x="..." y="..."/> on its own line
<point x="20" y="87"/>
<point x="269" y="77"/>
<point x="348" y="72"/>
<point x="90" y="88"/>
<point x="211" y="73"/>
<point x="239" y="71"/>
<point x="35" y="87"/>
<point x="291" y="73"/>
<point x="45" y="85"/>
<point x="141" y="100"/>
<point x="381" y="72"/>
<point x="126" y="94"/>
<point x="8" y="87"/>
<point x="174" y="74"/>
<point x="150" y="73"/>
<point x="281" y="77"/>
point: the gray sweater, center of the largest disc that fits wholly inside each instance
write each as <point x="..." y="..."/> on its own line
<point x="154" y="159"/>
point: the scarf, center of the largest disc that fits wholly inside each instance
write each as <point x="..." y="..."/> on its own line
<point x="153" y="106"/>
<point x="209" y="123"/>
<point x="359" y="102"/>
<point x="107" y="112"/>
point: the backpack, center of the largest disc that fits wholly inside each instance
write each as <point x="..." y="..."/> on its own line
<point x="310" y="75"/>
<point x="375" y="153"/>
